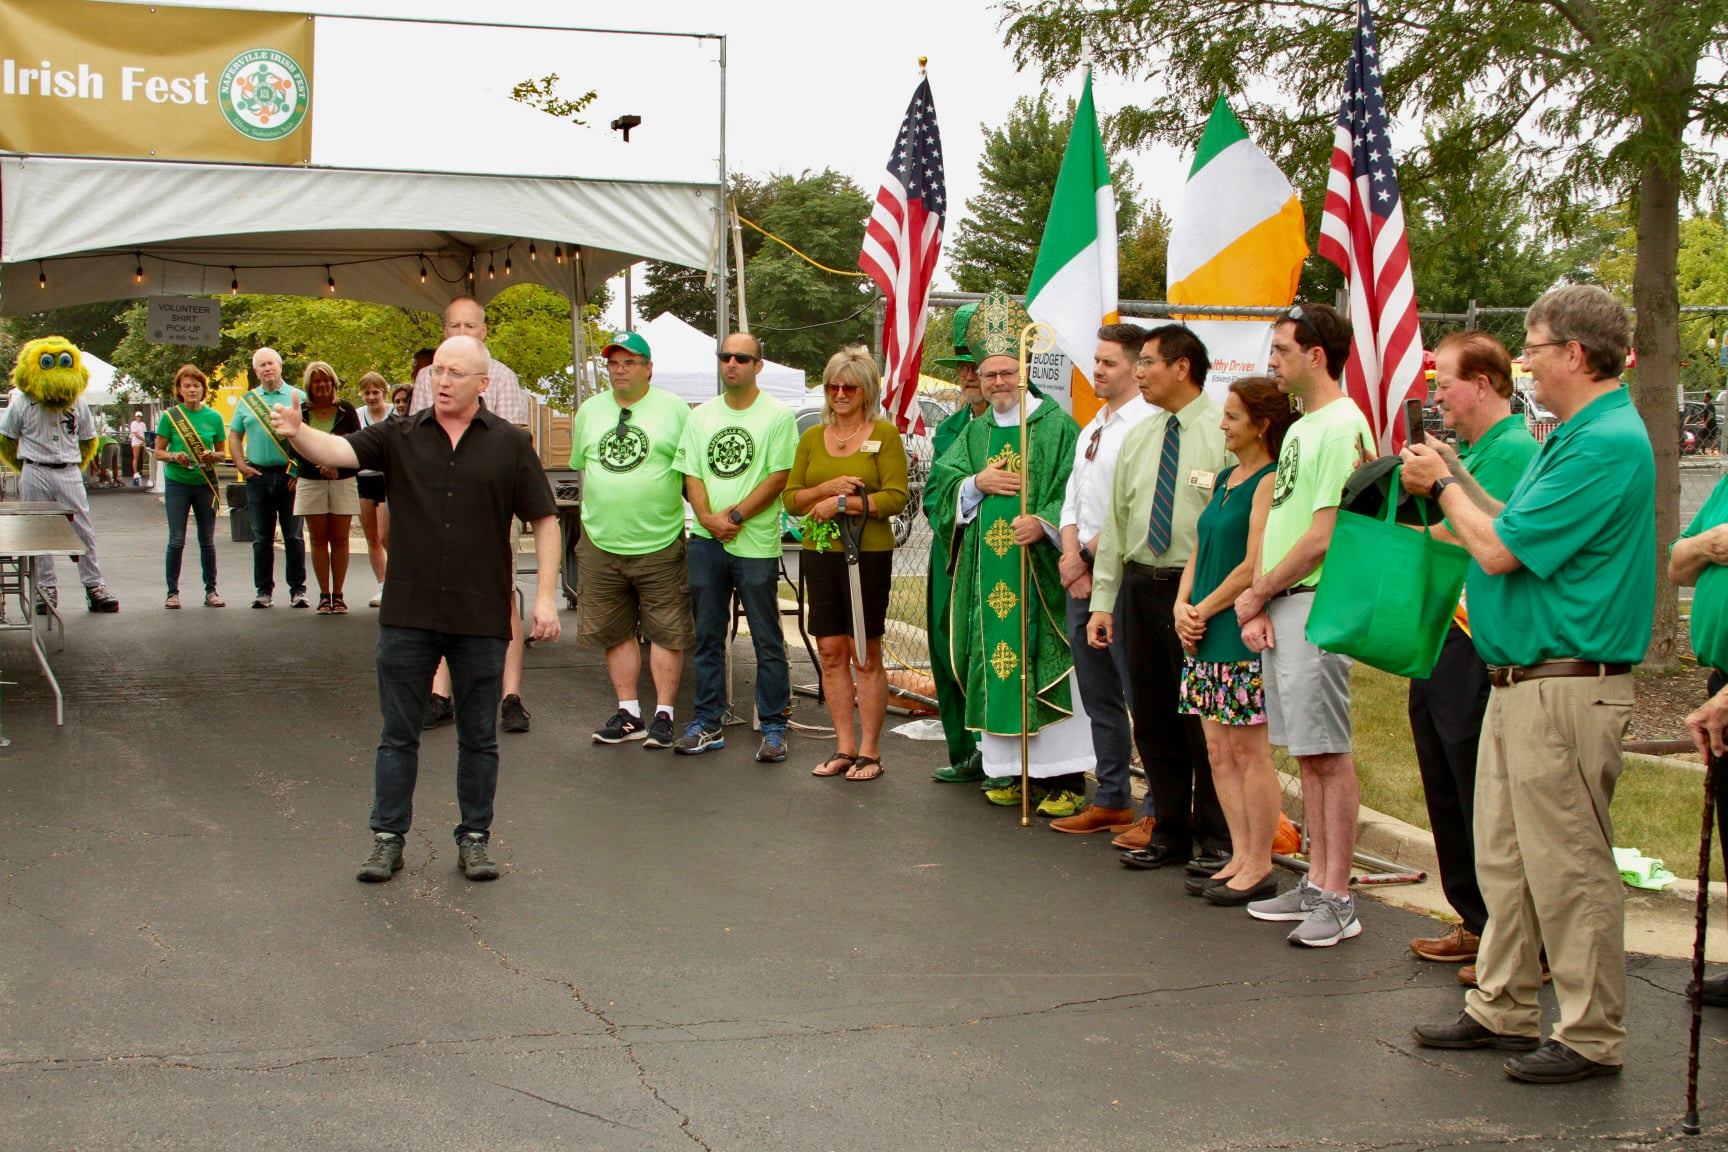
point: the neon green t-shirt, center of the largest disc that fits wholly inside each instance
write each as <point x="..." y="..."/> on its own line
<point x="1320" y="451"/>
<point x="632" y="496"/>
<point x="731" y="453"/>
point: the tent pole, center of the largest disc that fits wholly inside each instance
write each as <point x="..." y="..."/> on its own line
<point x="578" y="338"/>
<point x="721" y="322"/>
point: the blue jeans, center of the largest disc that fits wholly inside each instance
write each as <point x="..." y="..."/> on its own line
<point x="406" y="659"/>
<point x="715" y="574"/>
<point x="269" y="502"/>
<point x="180" y="498"/>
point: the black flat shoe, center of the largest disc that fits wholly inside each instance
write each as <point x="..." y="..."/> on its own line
<point x="1221" y="893"/>
<point x="1197" y="885"/>
<point x="1206" y="863"/>
<point x="1554" y="1063"/>
<point x="1154" y="856"/>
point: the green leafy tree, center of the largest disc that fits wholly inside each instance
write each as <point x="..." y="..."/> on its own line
<point x="352" y="336"/>
<point x="996" y="244"/>
<point x="688" y="293"/>
<point x="96" y="328"/>
<point x="151" y="367"/>
<point x="1144" y="257"/>
<point x="1592" y="97"/>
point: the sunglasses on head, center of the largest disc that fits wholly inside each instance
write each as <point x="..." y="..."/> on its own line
<point x="739" y="357"/>
<point x="1295" y="315"/>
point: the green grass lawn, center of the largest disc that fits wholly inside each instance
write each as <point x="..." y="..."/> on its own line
<point x="1657" y="806"/>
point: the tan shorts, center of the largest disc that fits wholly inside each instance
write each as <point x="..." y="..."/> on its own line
<point x="315" y="496"/>
<point x="620" y="596"/>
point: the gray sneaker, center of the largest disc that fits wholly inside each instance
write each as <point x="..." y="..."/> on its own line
<point x="698" y="739"/>
<point x="1292" y="904"/>
<point x="1333" y="919"/>
<point x="385" y="861"/>
<point x="475" y="858"/>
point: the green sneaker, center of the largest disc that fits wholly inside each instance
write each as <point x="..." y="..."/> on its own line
<point x="965" y="772"/>
<point x="992" y="783"/>
<point x="1060" y="804"/>
<point x="1009" y="797"/>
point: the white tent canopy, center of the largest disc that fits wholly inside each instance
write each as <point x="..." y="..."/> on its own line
<point x="402" y="238"/>
<point x="684" y="364"/>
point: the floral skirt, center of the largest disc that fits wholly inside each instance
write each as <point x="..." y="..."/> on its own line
<point x="1231" y="693"/>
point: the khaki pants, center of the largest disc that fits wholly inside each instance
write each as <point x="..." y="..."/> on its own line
<point x="1545" y="775"/>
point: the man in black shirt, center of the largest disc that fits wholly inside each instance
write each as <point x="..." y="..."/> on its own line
<point x="457" y="475"/>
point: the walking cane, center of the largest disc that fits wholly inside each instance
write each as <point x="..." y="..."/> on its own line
<point x="851" y="536"/>
<point x="1695" y="990"/>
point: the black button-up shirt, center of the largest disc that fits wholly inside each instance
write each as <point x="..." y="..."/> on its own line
<point x="450" y="510"/>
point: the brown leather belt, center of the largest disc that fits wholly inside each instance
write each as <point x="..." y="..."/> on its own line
<point x="1156" y="571"/>
<point x="1506" y="675"/>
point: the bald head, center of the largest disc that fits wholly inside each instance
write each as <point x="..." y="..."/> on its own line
<point x="463" y="316"/>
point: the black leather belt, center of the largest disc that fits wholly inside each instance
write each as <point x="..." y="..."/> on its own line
<point x="1298" y="590"/>
<point x="1506" y="675"/>
<point x="46" y="464"/>
<point x="1155" y="572"/>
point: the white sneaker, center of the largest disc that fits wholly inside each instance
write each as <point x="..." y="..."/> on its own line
<point x="377" y="598"/>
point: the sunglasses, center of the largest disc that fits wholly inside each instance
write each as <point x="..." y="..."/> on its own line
<point x="738" y="357"/>
<point x="623" y="422"/>
<point x="1092" y="445"/>
<point x="842" y="389"/>
<point x="1296" y="315"/>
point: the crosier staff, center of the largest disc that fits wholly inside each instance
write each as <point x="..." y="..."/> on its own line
<point x="1035" y="338"/>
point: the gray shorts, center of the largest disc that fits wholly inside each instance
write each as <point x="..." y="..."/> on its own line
<point x="1307" y="690"/>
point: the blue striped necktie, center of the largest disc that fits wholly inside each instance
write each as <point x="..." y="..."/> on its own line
<point x="1164" y="495"/>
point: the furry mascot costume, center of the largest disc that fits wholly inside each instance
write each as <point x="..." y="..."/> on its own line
<point x="48" y="437"/>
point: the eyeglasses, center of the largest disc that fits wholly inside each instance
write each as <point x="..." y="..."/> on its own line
<point x="1296" y="315"/>
<point x="1092" y="445"/>
<point x="1148" y="361"/>
<point x="623" y="423"/>
<point x="1001" y="374"/>
<point x="842" y="389"/>
<point x="739" y="357"/>
<point x="439" y="372"/>
<point x="621" y="365"/>
<point x="1529" y="348"/>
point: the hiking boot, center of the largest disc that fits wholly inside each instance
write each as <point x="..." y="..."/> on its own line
<point x="968" y="770"/>
<point x="1060" y="805"/>
<point x="620" y="728"/>
<point x="1293" y="904"/>
<point x="659" y="732"/>
<point x="99" y="599"/>
<point x="1468" y="1032"/>
<point x="1333" y="919"/>
<point x="474" y="857"/>
<point x="263" y="600"/>
<point x="439" y="710"/>
<point x="773" y="749"/>
<point x="515" y="717"/>
<point x="385" y="861"/>
<point x="698" y="739"/>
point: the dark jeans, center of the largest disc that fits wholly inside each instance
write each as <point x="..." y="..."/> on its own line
<point x="715" y="574"/>
<point x="406" y="659"/>
<point x="1445" y="723"/>
<point x="269" y="502"/>
<point x="178" y="499"/>
<point x="1172" y="745"/>
<point x="1103" y="677"/>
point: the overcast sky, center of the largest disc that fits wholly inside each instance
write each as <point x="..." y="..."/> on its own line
<point x="806" y="89"/>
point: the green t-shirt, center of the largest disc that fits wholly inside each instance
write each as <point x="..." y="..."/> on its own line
<point x="1500" y="458"/>
<point x="731" y="453"/>
<point x="1710" y="598"/>
<point x="632" y="496"/>
<point x="260" y="446"/>
<point x="207" y="423"/>
<point x="1582" y="523"/>
<point x="1320" y="451"/>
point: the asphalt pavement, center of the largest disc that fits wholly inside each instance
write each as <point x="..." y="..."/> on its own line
<point x="682" y="953"/>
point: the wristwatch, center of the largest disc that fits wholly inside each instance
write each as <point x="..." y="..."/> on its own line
<point x="1440" y="486"/>
<point x="735" y="516"/>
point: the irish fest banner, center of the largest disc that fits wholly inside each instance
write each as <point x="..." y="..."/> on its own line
<point x="87" y="78"/>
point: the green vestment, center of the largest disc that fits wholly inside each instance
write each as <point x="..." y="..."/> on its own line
<point x="950" y="702"/>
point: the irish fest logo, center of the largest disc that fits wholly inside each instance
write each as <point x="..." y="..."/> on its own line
<point x="264" y="94"/>
<point x="730" y="452"/>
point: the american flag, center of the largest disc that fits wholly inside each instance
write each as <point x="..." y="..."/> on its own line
<point x="1362" y="231"/>
<point x="901" y="245"/>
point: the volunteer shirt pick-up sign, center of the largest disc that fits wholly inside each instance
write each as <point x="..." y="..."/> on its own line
<point x="183" y="320"/>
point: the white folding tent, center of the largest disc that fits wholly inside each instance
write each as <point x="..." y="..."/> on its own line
<point x="684" y="364"/>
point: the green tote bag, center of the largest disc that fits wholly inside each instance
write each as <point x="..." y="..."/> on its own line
<point x="1388" y="591"/>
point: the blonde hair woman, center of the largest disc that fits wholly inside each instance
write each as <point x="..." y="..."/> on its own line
<point x="328" y="498"/>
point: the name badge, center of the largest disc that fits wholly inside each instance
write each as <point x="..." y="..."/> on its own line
<point x="1201" y="480"/>
<point x="870" y="447"/>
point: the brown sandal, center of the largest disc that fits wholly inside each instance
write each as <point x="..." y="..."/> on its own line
<point x="866" y="762"/>
<point x="823" y="770"/>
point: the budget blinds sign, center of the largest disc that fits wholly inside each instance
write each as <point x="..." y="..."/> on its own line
<point x="86" y="78"/>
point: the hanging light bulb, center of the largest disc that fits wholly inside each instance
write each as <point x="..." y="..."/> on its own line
<point x="506" y="263"/>
<point x="558" y="253"/>
<point x="329" y="280"/>
<point x="422" y="267"/>
<point x="41" y="275"/>
<point x="470" y="269"/>
<point x="233" y="284"/>
<point x="491" y="273"/>
<point x="138" y="272"/>
<point x="531" y="254"/>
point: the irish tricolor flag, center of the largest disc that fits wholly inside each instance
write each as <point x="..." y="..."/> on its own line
<point x="1073" y="287"/>
<point x="1239" y="237"/>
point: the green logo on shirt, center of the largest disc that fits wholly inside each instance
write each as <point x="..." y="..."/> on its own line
<point x="1287" y="464"/>
<point x="730" y="452"/>
<point x="622" y="452"/>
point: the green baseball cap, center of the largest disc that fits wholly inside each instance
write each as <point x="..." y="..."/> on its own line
<point x="630" y="342"/>
<point x="962" y="354"/>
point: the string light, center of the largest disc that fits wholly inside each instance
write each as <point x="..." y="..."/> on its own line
<point x="470" y="269"/>
<point x="531" y="255"/>
<point x="558" y="252"/>
<point x="422" y="267"/>
<point x="234" y="284"/>
<point x="491" y="274"/>
<point x="329" y="280"/>
<point x="138" y="272"/>
<point x="506" y="263"/>
<point x="41" y="275"/>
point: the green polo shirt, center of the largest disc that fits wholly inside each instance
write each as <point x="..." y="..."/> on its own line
<point x="1582" y="523"/>
<point x="1500" y="458"/>
<point x="632" y="496"/>
<point x="1710" y="598"/>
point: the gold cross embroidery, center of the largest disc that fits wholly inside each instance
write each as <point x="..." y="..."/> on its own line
<point x="1008" y="458"/>
<point x="1004" y="661"/>
<point x="1002" y="600"/>
<point x="1000" y="538"/>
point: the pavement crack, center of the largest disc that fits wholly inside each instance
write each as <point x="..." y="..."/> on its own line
<point x="1420" y="1059"/>
<point x="155" y="938"/>
<point x="573" y="1108"/>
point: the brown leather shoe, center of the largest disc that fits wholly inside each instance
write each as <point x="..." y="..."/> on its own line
<point x="1095" y="819"/>
<point x="1455" y="947"/>
<point x="1467" y="975"/>
<point x="1138" y="835"/>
